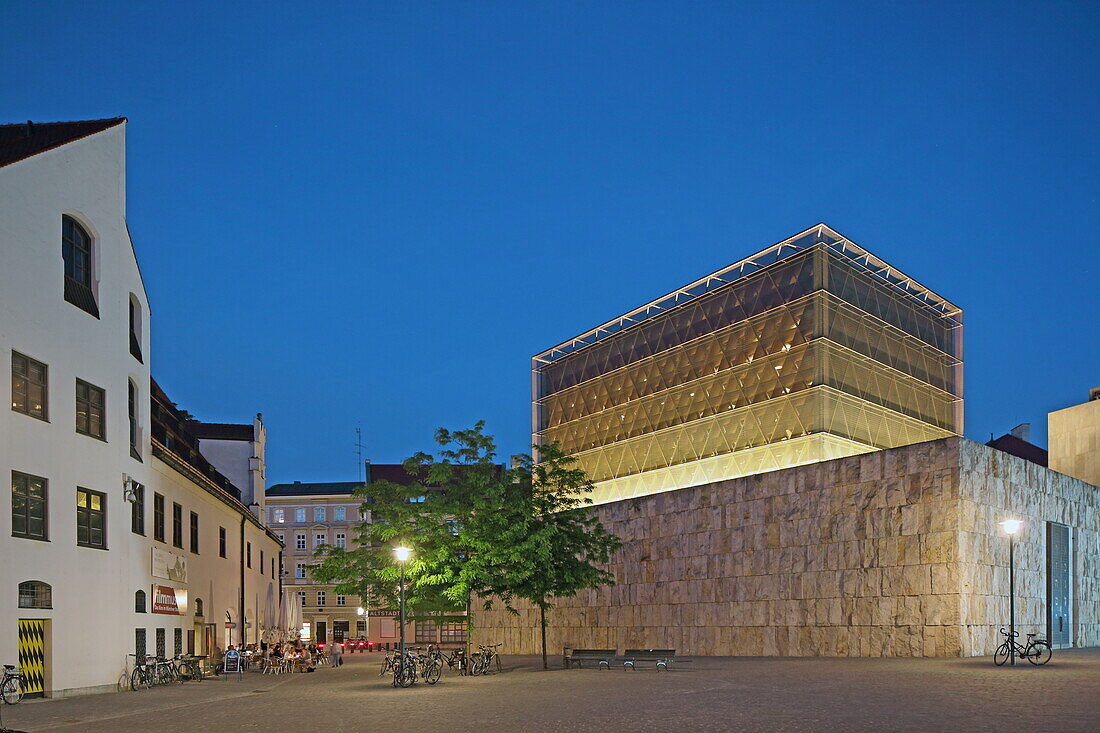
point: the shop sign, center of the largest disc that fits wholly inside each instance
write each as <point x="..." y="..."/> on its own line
<point x="169" y="600"/>
<point x="169" y="565"/>
<point x="379" y="614"/>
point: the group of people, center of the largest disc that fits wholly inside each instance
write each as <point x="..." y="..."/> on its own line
<point x="308" y="656"/>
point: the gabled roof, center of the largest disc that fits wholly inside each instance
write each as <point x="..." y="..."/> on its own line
<point x="1020" y="448"/>
<point x="24" y="139"/>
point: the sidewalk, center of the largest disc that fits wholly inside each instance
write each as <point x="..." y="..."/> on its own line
<point x="709" y="694"/>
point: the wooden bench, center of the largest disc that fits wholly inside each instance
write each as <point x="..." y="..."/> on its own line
<point x="662" y="658"/>
<point x="602" y="657"/>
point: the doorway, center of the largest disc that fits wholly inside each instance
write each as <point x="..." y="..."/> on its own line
<point x="32" y="655"/>
<point x="321" y="632"/>
<point x="1058" y="588"/>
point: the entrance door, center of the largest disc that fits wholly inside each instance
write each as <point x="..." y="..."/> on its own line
<point x="321" y="632"/>
<point x="1058" y="629"/>
<point x="32" y="655"/>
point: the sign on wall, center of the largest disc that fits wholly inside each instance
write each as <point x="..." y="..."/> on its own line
<point x="169" y="565"/>
<point x="169" y="600"/>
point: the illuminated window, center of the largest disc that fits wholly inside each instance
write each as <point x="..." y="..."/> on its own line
<point x="91" y="519"/>
<point x="90" y="404"/>
<point x="339" y="514"/>
<point x="28" y="506"/>
<point x="299" y="515"/>
<point x="28" y="386"/>
<point x="278" y="516"/>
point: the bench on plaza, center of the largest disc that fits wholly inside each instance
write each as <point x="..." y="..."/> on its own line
<point x="662" y="658"/>
<point x="602" y="657"/>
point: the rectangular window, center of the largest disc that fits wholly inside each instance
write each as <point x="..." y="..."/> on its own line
<point x="320" y="598"/>
<point x="300" y="570"/>
<point x="302" y="597"/>
<point x="339" y="514"/>
<point x="91" y="518"/>
<point x="28" y="506"/>
<point x="319" y="540"/>
<point x="341" y="600"/>
<point x="132" y="414"/>
<point x="137" y="509"/>
<point x="453" y="633"/>
<point x="278" y="516"/>
<point x="341" y="540"/>
<point x="91" y="402"/>
<point x="139" y="643"/>
<point x="160" y="642"/>
<point x="261" y="561"/>
<point x="427" y="632"/>
<point x="28" y="386"/>
<point x="319" y="514"/>
<point x="177" y="525"/>
<point x="221" y="541"/>
<point x="194" y="533"/>
<point x="299" y="515"/>
<point x="273" y="568"/>
<point x="158" y="517"/>
<point x="300" y="541"/>
<point x="248" y="553"/>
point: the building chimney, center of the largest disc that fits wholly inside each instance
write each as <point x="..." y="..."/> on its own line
<point x="1022" y="431"/>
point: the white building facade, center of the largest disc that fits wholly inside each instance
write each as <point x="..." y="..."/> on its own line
<point x="118" y="536"/>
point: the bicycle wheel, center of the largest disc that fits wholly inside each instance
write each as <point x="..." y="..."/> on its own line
<point x="496" y="658"/>
<point x="387" y="663"/>
<point x="431" y="674"/>
<point x="11" y="691"/>
<point x="1001" y="655"/>
<point x="404" y="674"/>
<point x="1040" y="653"/>
<point x="123" y="684"/>
<point x="138" y="679"/>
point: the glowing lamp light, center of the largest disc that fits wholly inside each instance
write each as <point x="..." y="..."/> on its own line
<point x="402" y="553"/>
<point x="360" y="611"/>
<point x="1011" y="526"/>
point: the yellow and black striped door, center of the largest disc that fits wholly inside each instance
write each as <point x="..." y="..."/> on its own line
<point x="32" y="654"/>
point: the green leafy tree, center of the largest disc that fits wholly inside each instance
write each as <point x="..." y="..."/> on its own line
<point x="477" y="530"/>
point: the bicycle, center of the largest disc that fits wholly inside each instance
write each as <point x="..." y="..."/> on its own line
<point x="484" y="659"/>
<point x="404" y="670"/>
<point x="166" y="672"/>
<point x="143" y="675"/>
<point x="11" y="687"/>
<point x="455" y="660"/>
<point x="431" y="664"/>
<point x="1036" y="651"/>
<point x="188" y="668"/>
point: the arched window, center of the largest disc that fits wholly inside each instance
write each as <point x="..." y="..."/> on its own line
<point x="198" y="607"/>
<point x="35" y="594"/>
<point x="76" y="251"/>
<point x="135" y="327"/>
<point x="139" y="602"/>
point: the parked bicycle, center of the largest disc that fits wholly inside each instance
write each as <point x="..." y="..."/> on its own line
<point x="11" y="687"/>
<point x="1036" y="651"/>
<point x="144" y="674"/>
<point x="485" y="660"/>
<point x="189" y="668"/>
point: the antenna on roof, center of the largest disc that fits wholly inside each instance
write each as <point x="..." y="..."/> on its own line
<point x="359" y="446"/>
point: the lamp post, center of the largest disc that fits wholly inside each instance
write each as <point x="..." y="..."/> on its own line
<point x="402" y="554"/>
<point x="1011" y="527"/>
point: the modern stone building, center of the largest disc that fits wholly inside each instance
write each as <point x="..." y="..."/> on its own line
<point x="1074" y="437"/>
<point x="777" y="446"/>
<point x="809" y="350"/>
<point x="892" y="553"/>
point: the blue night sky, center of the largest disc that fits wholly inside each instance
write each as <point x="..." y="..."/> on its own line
<point x="375" y="216"/>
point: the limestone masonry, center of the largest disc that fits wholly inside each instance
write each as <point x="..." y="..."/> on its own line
<point x="892" y="553"/>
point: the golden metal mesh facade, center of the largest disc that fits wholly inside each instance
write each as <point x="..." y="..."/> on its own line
<point x="819" y="352"/>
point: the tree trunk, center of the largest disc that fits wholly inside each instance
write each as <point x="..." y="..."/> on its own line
<point x="466" y="647"/>
<point x="542" y="614"/>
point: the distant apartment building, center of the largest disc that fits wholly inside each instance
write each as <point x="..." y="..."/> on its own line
<point x="120" y="533"/>
<point x="309" y="516"/>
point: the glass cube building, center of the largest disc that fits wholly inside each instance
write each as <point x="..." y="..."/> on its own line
<point x="810" y="350"/>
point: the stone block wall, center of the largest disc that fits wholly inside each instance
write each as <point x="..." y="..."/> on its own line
<point x="881" y="554"/>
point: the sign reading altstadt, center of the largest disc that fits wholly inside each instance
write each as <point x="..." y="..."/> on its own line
<point x="168" y="600"/>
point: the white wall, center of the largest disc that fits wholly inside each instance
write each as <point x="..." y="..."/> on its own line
<point x="93" y="619"/>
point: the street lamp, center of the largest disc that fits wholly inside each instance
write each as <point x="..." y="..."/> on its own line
<point x="1011" y="527"/>
<point x="402" y="554"/>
